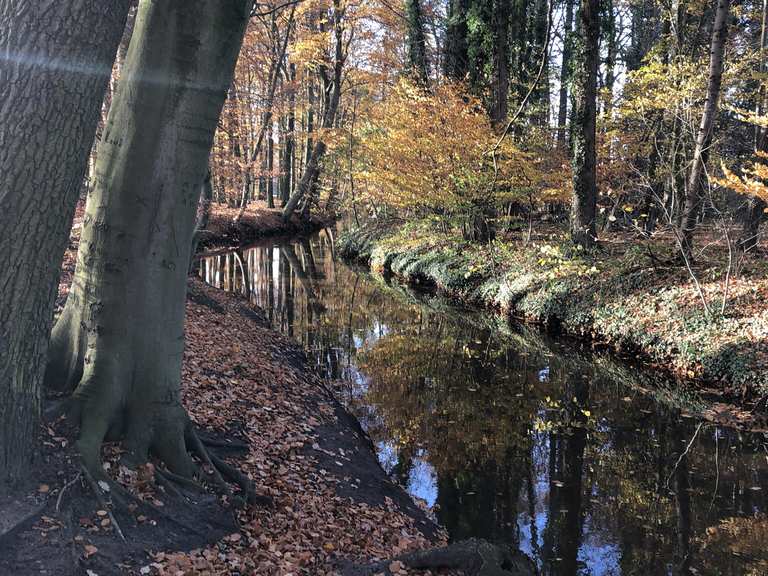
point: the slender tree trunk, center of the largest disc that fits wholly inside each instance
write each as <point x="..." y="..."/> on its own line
<point x="53" y="78"/>
<point x="583" y="153"/>
<point x="270" y="168"/>
<point x="290" y="140"/>
<point x="565" y="72"/>
<point x="120" y="340"/>
<point x="704" y="136"/>
<point x="500" y="86"/>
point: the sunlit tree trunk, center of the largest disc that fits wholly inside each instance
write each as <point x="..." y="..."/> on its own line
<point x="53" y="77"/>
<point x="704" y="137"/>
<point x="583" y="122"/>
<point x="119" y="342"/>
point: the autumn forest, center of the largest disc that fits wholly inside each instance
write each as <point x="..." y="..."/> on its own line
<point x="362" y="287"/>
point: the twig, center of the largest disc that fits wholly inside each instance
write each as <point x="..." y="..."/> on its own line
<point x="100" y="497"/>
<point x="685" y="452"/>
<point x="64" y="488"/>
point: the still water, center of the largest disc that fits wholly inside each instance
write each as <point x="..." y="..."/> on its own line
<point x="510" y="436"/>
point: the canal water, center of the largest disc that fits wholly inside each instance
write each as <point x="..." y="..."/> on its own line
<point x="508" y="435"/>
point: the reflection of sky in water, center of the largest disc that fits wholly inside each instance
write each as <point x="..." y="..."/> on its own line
<point x="422" y="481"/>
<point x="604" y="535"/>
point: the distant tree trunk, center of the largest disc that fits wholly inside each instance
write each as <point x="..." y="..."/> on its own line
<point x="53" y="77"/>
<point x="270" y="168"/>
<point x="286" y="187"/>
<point x="704" y="136"/>
<point x="541" y="93"/>
<point x="500" y="85"/>
<point x="332" y="87"/>
<point x="609" y="26"/>
<point x="565" y="72"/>
<point x="456" y="44"/>
<point x="755" y="211"/>
<point x="119" y="342"/>
<point x="417" y="42"/>
<point x="583" y="122"/>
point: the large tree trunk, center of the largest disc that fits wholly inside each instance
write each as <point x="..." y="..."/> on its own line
<point x="583" y="154"/>
<point x="704" y="136"/>
<point x="120" y="339"/>
<point x="53" y="77"/>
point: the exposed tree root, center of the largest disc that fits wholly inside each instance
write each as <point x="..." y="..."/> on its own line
<point x="474" y="556"/>
<point x="98" y="491"/>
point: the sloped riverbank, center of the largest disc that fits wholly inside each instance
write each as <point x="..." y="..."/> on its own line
<point x="636" y="304"/>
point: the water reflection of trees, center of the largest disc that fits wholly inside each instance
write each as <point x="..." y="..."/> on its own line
<point x="532" y="442"/>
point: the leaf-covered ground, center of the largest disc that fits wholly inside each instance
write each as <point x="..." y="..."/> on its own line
<point x="633" y="296"/>
<point x="242" y="381"/>
<point x="257" y="221"/>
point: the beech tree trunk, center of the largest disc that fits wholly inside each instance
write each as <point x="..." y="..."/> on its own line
<point x="119" y="342"/>
<point x="583" y="122"/>
<point x="53" y="76"/>
<point x="704" y="136"/>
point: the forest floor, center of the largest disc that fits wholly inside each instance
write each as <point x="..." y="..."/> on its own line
<point x="250" y="390"/>
<point x="632" y="295"/>
<point x="258" y="221"/>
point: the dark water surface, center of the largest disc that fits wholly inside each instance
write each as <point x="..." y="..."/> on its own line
<point x="511" y="436"/>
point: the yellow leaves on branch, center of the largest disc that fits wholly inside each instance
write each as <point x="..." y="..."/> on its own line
<point x="752" y="182"/>
<point x="431" y="152"/>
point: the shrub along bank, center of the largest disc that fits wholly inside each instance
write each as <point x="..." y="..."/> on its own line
<point x="634" y="298"/>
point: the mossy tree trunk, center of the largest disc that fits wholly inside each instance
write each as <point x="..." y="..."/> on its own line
<point x="583" y="123"/>
<point x="54" y="72"/>
<point x="119" y="342"/>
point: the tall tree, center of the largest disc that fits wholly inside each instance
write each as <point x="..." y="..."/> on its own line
<point x="500" y="81"/>
<point x="693" y="195"/>
<point x="456" y="44"/>
<point x="118" y="344"/>
<point x="55" y="64"/>
<point x="583" y="122"/>
<point x="565" y="70"/>
<point x="417" y="41"/>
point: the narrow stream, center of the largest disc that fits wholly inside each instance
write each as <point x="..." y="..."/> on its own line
<point x="511" y="436"/>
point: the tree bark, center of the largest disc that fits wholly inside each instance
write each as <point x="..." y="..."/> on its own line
<point x="583" y="123"/>
<point x="120" y="340"/>
<point x="53" y="76"/>
<point x="704" y="136"/>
